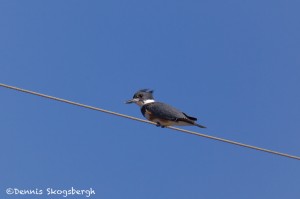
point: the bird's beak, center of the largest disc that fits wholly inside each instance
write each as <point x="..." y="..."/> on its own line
<point x="134" y="100"/>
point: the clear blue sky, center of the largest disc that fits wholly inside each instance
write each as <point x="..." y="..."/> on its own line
<point x="233" y="64"/>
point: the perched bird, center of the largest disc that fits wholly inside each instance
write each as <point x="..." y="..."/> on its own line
<point x="160" y="113"/>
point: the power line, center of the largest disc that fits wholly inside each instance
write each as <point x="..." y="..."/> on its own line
<point x="149" y="122"/>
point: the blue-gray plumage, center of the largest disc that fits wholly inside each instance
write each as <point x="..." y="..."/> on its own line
<point x="161" y="113"/>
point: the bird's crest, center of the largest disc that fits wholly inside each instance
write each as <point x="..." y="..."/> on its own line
<point x="146" y="90"/>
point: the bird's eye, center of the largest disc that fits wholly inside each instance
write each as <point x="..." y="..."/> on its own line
<point x="140" y="96"/>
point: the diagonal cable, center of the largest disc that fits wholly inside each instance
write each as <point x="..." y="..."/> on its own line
<point x="145" y="121"/>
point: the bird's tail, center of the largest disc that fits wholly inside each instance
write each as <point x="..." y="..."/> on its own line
<point x="191" y="122"/>
<point x="199" y="125"/>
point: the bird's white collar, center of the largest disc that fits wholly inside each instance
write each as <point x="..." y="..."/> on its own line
<point x="142" y="103"/>
<point x="148" y="101"/>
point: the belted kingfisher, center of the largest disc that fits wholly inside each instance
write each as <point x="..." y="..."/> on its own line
<point x="160" y="113"/>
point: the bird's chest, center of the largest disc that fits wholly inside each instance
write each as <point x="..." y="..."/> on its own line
<point x="152" y="117"/>
<point x="147" y="114"/>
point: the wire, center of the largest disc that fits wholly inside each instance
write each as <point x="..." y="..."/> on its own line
<point x="149" y="122"/>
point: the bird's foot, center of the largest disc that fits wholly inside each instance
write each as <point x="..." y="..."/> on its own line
<point x="159" y="125"/>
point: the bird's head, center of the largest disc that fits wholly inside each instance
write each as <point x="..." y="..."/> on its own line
<point x="142" y="97"/>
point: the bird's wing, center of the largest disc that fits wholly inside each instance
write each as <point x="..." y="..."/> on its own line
<point x="189" y="117"/>
<point x="164" y="111"/>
